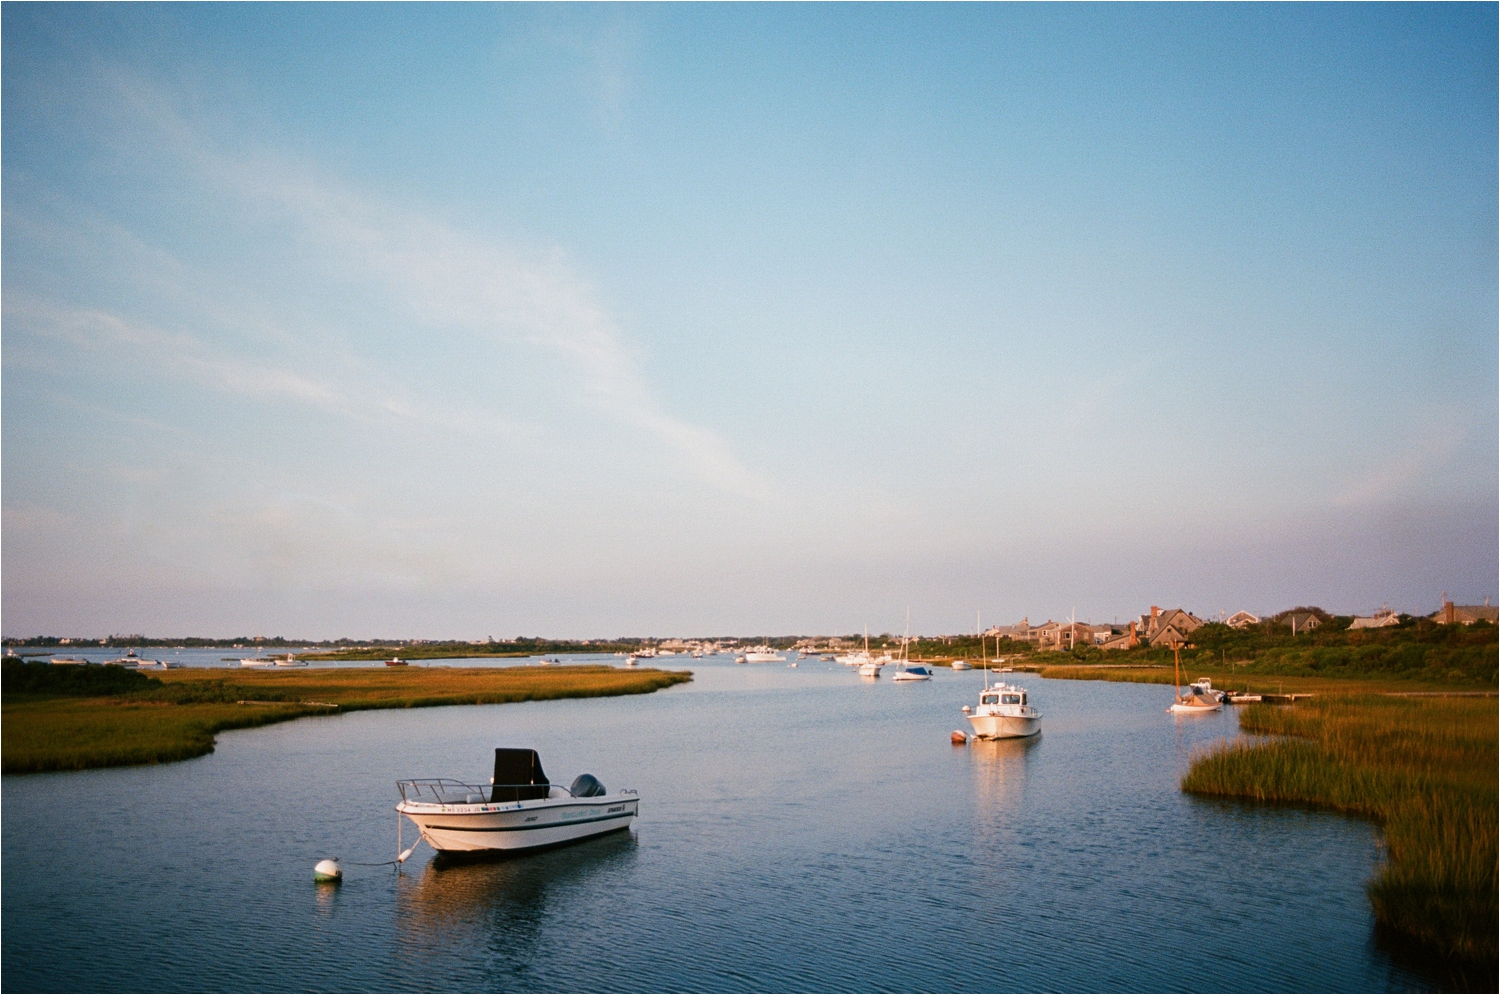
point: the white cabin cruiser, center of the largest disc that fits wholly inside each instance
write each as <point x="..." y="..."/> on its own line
<point x="1003" y="713"/>
<point x="763" y="654"/>
<point x="519" y="811"/>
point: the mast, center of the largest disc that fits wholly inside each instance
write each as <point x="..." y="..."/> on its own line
<point x="1176" y="677"/>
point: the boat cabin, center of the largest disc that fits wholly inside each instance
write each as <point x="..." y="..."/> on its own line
<point x="1006" y="697"/>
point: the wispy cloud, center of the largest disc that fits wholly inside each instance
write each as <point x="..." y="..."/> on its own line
<point x="446" y="278"/>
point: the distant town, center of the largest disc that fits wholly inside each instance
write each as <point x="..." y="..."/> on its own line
<point x="1157" y="627"/>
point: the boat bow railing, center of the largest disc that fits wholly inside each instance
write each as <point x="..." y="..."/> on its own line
<point x="447" y="791"/>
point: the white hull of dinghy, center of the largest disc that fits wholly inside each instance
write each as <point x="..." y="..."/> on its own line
<point x="1005" y="726"/>
<point x="516" y="827"/>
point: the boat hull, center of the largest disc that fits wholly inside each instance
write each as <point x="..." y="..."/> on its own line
<point x="1005" y="726"/>
<point x="519" y="827"/>
<point x="1181" y="709"/>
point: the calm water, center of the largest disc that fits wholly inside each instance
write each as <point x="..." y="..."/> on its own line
<point x="800" y="830"/>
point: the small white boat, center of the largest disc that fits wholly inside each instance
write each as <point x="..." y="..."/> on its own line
<point x="1003" y="713"/>
<point x="962" y="665"/>
<point x="914" y="673"/>
<point x="519" y="811"/>
<point x="763" y="654"/>
<point x="290" y="660"/>
<point x="871" y="669"/>
<point x="741" y="659"/>
<point x="1206" y="685"/>
<point x="68" y="660"/>
<point x="1199" y="698"/>
<point x="258" y="662"/>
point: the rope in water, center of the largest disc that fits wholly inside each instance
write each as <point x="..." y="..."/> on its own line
<point x="400" y="857"/>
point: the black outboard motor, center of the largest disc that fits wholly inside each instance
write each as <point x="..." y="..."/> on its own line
<point x="586" y="786"/>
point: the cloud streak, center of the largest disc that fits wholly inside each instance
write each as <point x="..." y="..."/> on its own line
<point x="450" y="279"/>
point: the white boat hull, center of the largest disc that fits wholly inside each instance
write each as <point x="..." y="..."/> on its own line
<point x="763" y="658"/>
<point x="1005" y="726"/>
<point x="1181" y="709"/>
<point x="519" y="827"/>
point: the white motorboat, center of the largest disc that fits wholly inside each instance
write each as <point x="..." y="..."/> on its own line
<point x="1003" y="713"/>
<point x="913" y="673"/>
<point x="1206" y="685"/>
<point x="763" y="654"/>
<point x="519" y="811"/>
<point x="962" y="665"/>
<point x="290" y="660"/>
<point x="258" y="662"/>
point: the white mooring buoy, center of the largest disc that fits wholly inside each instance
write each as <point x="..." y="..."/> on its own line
<point x="328" y="871"/>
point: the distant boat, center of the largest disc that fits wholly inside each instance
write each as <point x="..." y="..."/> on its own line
<point x="258" y="662"/>
<point x="395" y="661"/>
<point x="1197" y="700"/>
<point x="962" y="665"/>
<point x="763" y="654"/>
<point x="904" y="672"/>
<point x="68" y="661"/>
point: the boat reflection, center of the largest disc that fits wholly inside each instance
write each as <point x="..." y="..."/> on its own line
<point x="999" y="767"/>
<point x="503" y="904"/>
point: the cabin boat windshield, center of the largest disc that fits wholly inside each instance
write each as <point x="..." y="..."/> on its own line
<point x="1010" y="699"/>
<point x="989" y="699"/>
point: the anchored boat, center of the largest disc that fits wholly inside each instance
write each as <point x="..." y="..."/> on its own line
<point x="519" y="811"/>
<point x="1003" y="713"/>
<point x="1199" y="699"/>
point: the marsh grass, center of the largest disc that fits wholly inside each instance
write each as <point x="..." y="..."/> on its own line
<point x="1424" y="768"/>
<point x="179" y="718"/>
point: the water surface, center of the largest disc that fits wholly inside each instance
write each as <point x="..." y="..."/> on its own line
<point x="801" y="829"/>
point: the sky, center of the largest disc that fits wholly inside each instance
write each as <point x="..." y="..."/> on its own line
<point x="462" y="321"/>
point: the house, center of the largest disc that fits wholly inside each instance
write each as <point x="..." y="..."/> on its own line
<point x="1379" y="620"/>
<point x="1451" y="614"/>
<point x="1241" y="619"/>
<point x="1021" y="632"/>
<point x="1162" y="628"/>
<point x="1300" y="621"/>
<point x="1121" y="641"/>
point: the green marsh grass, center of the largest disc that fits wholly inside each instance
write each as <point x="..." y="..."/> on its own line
<point x="177" y="716"/>
<point x="1423" y="768"/>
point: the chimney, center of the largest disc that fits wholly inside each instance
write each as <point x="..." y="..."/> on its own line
<point x="1447" y="613"/>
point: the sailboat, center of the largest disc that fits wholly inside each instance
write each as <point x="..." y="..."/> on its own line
<point x="1197" y="700"/>
<point x="904" y="671"/>
<point x="869" y="666"/>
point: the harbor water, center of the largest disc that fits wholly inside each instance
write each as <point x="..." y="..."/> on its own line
<point x="801" y="829"/>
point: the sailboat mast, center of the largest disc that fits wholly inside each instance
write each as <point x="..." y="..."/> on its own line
<point x="1176" y="676"/>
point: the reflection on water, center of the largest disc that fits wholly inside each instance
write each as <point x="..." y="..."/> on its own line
<point x="999" y="767"/>
<point x="797" y="829"/>
<point x="505" y="903"/>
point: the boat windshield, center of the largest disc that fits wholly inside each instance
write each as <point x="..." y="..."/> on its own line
<point x="989" y="699"/>
<point x="1010" y="699"/>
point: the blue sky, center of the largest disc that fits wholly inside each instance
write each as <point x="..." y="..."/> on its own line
<point x="457" y="321"/>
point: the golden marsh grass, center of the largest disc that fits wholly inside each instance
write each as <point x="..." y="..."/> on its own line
<point x="180" y="718"/>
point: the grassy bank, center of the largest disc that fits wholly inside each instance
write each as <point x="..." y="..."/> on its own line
<point x="176" y="714"/>
<point x="1424" y="768"/>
